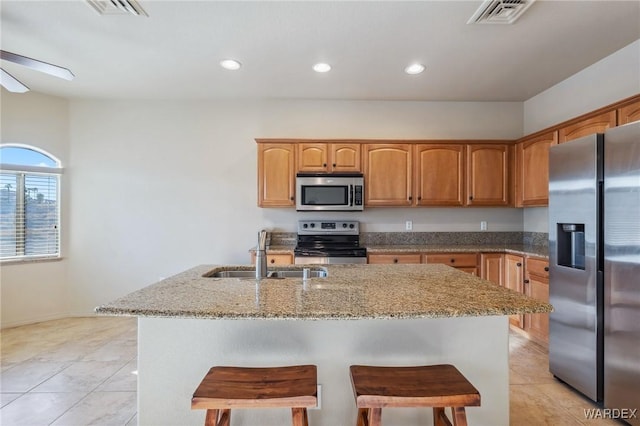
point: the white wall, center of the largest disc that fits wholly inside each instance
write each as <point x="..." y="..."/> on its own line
<point x="158" y="187"/>
<point x="34" y="292"/>
<point x="614" y="78"/>
<point x="607" y="81"/>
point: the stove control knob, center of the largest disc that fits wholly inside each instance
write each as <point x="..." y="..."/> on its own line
<point x="351" y="226"/>
<point x="305" y="226"/>
<point x="313" y="225"/>
<point x="344" y="225"/>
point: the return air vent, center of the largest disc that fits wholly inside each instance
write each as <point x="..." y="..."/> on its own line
<point x="117" y="7"/>
<point x="499" y="11"/>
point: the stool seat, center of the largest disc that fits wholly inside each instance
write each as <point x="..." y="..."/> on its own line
<point x="436" y="386"/>
<point x="224" y="388"/>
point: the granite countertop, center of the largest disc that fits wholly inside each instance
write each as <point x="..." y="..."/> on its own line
<point x="521" y="249"/>
<point x="348" y="292"/>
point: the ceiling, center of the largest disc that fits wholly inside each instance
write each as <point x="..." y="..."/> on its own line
<point x="175" y="52"/>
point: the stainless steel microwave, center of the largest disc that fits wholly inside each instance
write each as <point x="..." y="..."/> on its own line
<point x="329" y="192"/>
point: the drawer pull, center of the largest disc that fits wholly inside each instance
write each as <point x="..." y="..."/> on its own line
<point x="395" y="260"/>
<point x="518" y="264"/>
<point x="453" y="261"/>
<point x="546" y="269"/>
<point x="272" y="261"/>
<point x="526" y="281"/>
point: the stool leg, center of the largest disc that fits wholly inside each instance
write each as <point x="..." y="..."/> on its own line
<point x="375" y="416"/>
<point x="440" y="418"/>
<point x="363" y="417"/>
<point x="459" y="416"/>
<point x="297" y="415"/>
<point x="306" y="417"/>
<point x="211" y="418"/>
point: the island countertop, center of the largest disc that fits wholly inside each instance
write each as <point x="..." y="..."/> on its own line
<point x="348" y="292"/>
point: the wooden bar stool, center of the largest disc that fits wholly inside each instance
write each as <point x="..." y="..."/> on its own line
<point x="224" y="388"/>
<point x="436" y="386"/>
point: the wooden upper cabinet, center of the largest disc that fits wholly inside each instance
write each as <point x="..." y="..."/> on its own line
<point x="629" y="113"/>
<point x="532" y="170"/>
<point x="388" y="175"/>
<point x="276" y="174"/>
<point x="313" y="157"/>
<point x="488" y="175"/>
<point x="439" y="171"/>
<point x="345" y="157"/>
<point x="329" y="157"/>
<point x="588" y="126"/>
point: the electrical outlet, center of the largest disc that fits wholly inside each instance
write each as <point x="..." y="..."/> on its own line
<point x="408" y="225"/>
<point x="483" y="225"/>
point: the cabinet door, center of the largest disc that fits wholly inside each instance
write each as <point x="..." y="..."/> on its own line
<point x="387" y="174"/>
<point x="629" y="113"/>
<point x="345" y="157"/>
<point x="488" y="175"/>
<point x="439" y="173"/>
<point x="391" y="258"/>
<point x="492" y="267"/>
<point x="276" y="175"/>
<point x="312" y="157"/>
<point x="589" y="126"/>
<point x="537" y="286"/>
<point x="514" y="279"/>
<point x="532" y="170"/>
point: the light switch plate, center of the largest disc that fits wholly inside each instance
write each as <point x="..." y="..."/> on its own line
<point x="408" y="225"/>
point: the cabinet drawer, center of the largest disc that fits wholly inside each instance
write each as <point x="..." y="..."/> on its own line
<point x="390" y="258"/>
<point x="275" y="259"/>
<point x="458" y="260"/>
<point x="539" y="267"/>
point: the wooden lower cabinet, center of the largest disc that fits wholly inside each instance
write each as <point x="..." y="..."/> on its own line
<point x="391" y="258"/>
<point x="275" y="259"/>
<point x="492" y="267"/>
<point x="536" y="285"/>
<point x="467" y="262"/>
<point x="514" y="280"/>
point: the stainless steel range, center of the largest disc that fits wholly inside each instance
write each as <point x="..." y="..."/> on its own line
<point x="329" y="241"/>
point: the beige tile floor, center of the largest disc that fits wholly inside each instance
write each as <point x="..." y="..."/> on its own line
<point x="80" y="371"/>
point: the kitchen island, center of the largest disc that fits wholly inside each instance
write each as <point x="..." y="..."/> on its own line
<point x="358" y="314"/>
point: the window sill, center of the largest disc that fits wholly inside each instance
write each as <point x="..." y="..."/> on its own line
<point x="26" y="260"/>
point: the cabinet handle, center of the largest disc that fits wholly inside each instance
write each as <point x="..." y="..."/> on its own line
<point x="410" y="198"/>
<point x="546" y="269"/>
<point x="334" y="164"/>
<point x="292" y="198"/>
<point x="453" y="261"/>
<point x="395" y="260"/>
<point x="419" y="198"/>
<point x="518" y="264"/>
<point x="272" y="261"/>
<point x="526" y="281"/>
<point x="324" y="164"/>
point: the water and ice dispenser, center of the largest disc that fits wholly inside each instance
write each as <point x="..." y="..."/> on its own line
<point x="571" y="245"/>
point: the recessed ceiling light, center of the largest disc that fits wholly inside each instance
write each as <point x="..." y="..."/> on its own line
<point x="321" y="67"/>
<point x="230" y="64"/>
<point x="414" y="69"/>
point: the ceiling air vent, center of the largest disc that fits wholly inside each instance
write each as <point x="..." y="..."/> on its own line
<point x="117" y="7"/>
<point x="499" y="11"/>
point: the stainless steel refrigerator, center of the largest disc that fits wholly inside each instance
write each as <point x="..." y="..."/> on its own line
<point x="594" y="261"/>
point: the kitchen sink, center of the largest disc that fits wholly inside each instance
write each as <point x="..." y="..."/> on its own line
<point x="297" y="273"/>
<point x="232" y="274"/>
<point x="276" y="273"/>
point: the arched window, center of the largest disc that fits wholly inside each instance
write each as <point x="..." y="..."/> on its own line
<point x="29" y="203"/>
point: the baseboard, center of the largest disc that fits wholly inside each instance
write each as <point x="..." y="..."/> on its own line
<point x="34" y="320"/>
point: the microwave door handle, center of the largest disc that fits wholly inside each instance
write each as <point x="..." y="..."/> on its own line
<point x="351" y="195"/>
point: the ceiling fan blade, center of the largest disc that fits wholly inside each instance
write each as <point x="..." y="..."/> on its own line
<point x="10" y="83"/>
<point x="35" y="64"/>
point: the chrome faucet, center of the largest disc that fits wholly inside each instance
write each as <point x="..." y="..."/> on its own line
<point x="261" y="255"/>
